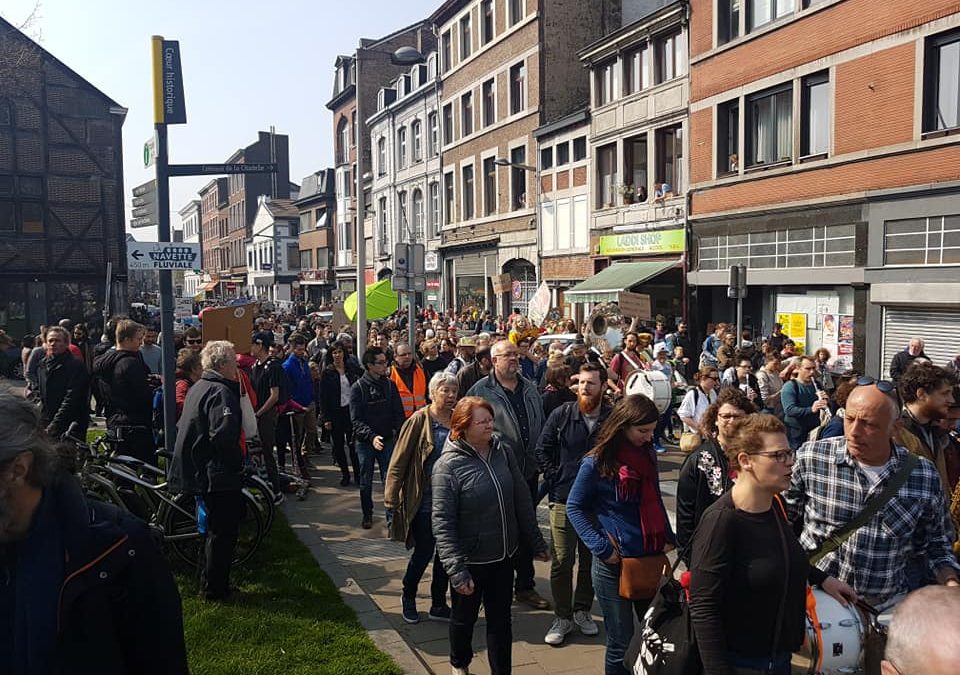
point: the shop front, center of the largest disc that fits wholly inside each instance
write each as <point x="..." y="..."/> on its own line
<point x="468" y="272"/>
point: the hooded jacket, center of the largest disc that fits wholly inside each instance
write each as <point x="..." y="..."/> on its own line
<point x="207" y="456"/>
<point x="375" y="409"/>
<point x="121" y="379"/>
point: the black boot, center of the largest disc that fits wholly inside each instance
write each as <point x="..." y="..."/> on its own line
<point x="345" y="478"/>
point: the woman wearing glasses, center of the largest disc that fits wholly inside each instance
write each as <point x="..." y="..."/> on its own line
<point x="705" y="474"/>
<point x="748" y="572"/>
<point x="698" y="399"/>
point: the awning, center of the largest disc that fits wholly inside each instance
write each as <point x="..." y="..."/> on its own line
<point x="209" y="286"/>
<point x="606" y="285"/>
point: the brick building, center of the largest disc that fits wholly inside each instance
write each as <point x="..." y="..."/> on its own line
<point x="824" y="158"/>
<point x="317" y="207"/>
<point x="190" y="226"/>
<point x="61" y="191"/>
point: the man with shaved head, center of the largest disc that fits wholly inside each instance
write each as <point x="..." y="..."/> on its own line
<point x="925" y="634"/>
<point x="834" y="478"/>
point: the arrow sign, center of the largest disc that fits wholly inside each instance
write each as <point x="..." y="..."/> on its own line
<point x="144" y="200"/>
<point x="163" y="256"/>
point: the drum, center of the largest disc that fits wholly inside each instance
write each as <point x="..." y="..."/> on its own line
<point x="653" y="384"/>
<point x="834" y="643"/>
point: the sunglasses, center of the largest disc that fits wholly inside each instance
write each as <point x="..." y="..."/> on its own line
<point x="194" y="342"/>
<point x="886" y="386"/>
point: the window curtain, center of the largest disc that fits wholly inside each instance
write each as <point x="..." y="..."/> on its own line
<point x="784" y="113"/>
<point x="948" y="87"/>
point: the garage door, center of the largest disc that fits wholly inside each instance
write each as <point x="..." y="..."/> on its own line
<point x="940" y="331"/>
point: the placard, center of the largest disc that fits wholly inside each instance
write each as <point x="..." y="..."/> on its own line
<point x="233" y="323"/>
<point x="539" y="305"/>
<point x="795" y="328"/>
<point x="635" y="305"/>
<point x="502" y="283"/>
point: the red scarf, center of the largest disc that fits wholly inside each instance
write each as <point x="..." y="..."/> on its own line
<point x="637" y="482"/>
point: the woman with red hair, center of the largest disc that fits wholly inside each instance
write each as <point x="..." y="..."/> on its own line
<point x="482" y="515"/>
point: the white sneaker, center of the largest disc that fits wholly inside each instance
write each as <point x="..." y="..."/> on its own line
<point x="460" y="671"/>
<point x="558" y="631"/>
<point x="585" y="623"/>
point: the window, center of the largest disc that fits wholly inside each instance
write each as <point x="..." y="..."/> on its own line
<point x="293" y="256"/>
<point x="489" y="186"/>
<point x="403" y="216"/>
<point x="942" y="82"/>
<point x="671" y="57"/>
<point x="635" y="166"/>
<point x="306" y="259"/>
<point x="815" y="115"/>
<point x="514" y="11"/>
<point x="382" y="156"/>
<point x="579" y="149"/>
<point x="606" y="174"/>
<point x="606" y="82"/>
<point x="728" y="137"/>
<point x="434" y="141"/>
<point x="32" y="216"/>
<point x="670" y="158"/>
<point x="467" y="194"/>
<point x="353" y="125"/>
<point x="345" y="184"/>
<point x="489" y="103"/>
<point x="446" y="52"/>
<point x="546" y="158"/>
<point x="636" y="75"/>
<point x="433" y="225"/>
<point x="418" y="215"/>
<point x="518" y="178"/>
<point x="769" y="127"/>
<point x="486" y="15"/>
<point x="762" y="12"/>
<point x="563" y="153"/>
<point x="343" y="141"/>
<point x="383" y="242"/>
<point x="416" y="134"/>
<point x="518" y="86"/>
<point x="466" y="45"/>
<point x="401" y="147"/>
<point x="922" y="241"/>
<point x="6" y="119"/>
<point x="728" y="20"/>
<point x="448" y="124"/>
<point x="448" y="197"/>
<point x="829" y="246"/>
<point x="466" y="114"/>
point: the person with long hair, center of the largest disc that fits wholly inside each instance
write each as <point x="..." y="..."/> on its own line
<point x="704" y="475"/>
<point x="482" y="516"/>
<point x="617" y="510"/>
<point x="748" y="571"/>
<point x="408" y="493"/>
<point x="336" y="380"/>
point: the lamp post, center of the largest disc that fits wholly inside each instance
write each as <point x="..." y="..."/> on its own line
<point x="404" y="56"/>
<point x="503" y="161"/>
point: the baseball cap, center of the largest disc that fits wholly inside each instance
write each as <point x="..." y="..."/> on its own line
<point x="263" y="338"/>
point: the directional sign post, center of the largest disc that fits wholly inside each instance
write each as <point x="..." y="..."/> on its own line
<point x="163" y="256"/>
<point x="144" y="205"/>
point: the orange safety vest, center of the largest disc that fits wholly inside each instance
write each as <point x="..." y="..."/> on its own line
<point x="412" y="401"/>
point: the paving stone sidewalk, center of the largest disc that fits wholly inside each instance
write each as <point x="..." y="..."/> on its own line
<point x="367" y="568"/>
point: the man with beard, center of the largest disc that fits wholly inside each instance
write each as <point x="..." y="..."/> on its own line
<point x="568" y="434"/>
<point x="83" y="584"/>
<point x="64" y="387"/>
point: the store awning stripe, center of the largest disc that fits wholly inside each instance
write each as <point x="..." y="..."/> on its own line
<point x="607" y="284"/>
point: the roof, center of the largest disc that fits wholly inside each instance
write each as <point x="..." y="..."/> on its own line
<point x="574" y="119"/>
<point x="605" y="286"/>
<point x="317" y="184"/>
<point x="281" y="208"/>
<point x="6" y="26"/>
<point x="631" y="32"/>
<point x="446" y="10"/>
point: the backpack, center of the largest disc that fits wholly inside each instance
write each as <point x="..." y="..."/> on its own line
<point x="286" y="386"/>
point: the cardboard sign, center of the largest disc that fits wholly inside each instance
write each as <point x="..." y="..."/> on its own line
<point x="502" y="283"/>
<point x="635" y="305"/>
<point x="233" y="323"/>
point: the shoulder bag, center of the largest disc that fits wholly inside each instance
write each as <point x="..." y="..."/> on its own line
<point x="640" y="577"/>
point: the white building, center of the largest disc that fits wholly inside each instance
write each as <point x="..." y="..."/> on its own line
<point x="406" y="192"/>
<point x="273" y="251"/>
<point x="190" y="226"/>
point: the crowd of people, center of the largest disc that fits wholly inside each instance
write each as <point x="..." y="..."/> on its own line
<point x="476" y="420"/>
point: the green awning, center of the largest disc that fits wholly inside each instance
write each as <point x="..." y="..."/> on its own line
<point x="606" y="285"/>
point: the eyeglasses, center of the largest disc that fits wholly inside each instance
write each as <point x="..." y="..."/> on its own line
<point x="781" y="456"/>
<point x="191" y="341"/>
<point x="711" y="377"/>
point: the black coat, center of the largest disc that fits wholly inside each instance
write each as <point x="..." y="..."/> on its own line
<point x="121" y="380"/>
<point x="699" y="485"/>
<point x="64" y="394"/>
<point x="375" y="409"/>
<point x="330" y="392"/>
<point x="207" y="456"/>
<point x="119" y="611"/>
<point x="564" y="441"/>
<point x="901" y="361"/>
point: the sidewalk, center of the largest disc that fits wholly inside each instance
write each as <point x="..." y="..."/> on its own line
<point x="367" y="568"/>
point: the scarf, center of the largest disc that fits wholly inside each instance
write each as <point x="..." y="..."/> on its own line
<point x="637" y="482"/>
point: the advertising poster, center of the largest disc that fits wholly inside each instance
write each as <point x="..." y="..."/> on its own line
<point x="844" y="342"/>
<point x="828" y="334"/>
<point x="795" y="328"/>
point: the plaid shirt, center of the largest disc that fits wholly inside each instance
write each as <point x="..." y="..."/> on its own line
<point x="829" y="489"/>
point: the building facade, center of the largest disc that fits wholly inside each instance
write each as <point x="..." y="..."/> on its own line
<point x="830" y="171"/>
<point x="273" y="253"/>
<point x="190" y="226"/>
<point x="61" y="192"/>
<point x="317" y="207"/>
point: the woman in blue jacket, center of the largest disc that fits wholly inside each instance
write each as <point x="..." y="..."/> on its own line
<point x="616" y="497"/>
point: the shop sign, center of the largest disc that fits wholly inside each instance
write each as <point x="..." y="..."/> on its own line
<point x="635" y="305"/>
<point x="433" y="284"/>
<point x="655" y="242"/>
<point x="431" y="261"/>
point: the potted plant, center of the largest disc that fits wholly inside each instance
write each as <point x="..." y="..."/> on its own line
<point x="628" y="192"/>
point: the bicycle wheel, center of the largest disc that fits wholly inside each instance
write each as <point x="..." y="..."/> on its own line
<point x="252" y="530"/>
<point x="261" y="492"/>
<point x="179" y="523"/>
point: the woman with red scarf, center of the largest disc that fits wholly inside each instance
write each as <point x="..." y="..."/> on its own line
<point x="616" y="508"/>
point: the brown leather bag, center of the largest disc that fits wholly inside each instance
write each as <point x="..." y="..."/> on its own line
<point x="640" y="577"/>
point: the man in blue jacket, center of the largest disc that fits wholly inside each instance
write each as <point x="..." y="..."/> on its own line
<point x="297" y="367"/>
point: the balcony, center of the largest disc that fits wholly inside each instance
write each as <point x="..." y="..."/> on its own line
<point x="318" y="277"/>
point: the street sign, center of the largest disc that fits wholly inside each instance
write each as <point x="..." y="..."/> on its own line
<point x="211" y="169"/>
<point x="431" y="261"/>
<point x="163" y="256"/>
<point x="184" y="308"/>
<point x="144" y="205"/>
<point x="401" y="259"/>
<point x="149" y="152"/>
<point x="169" y="104"/>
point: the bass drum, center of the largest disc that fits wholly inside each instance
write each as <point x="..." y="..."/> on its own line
<point x="653" y="384"/>
<point x="832" y="645"/>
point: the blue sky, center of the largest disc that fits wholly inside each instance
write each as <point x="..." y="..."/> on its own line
<point x="247" y="64"/>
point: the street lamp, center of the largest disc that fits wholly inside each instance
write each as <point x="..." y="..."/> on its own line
<point x="404" y="56"/>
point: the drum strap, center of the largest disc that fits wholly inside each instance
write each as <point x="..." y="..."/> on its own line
<point x="870" y="509"/>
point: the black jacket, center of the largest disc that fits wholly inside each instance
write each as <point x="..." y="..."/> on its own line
<point x="375" y="409"/>
<point x="704" y="477"/>
<point x="64" y="394"/>
<point x="119" y="609"/>
<point x="207" y="456"/>
<point x="121" y="379"/>
<point x="330" y="392"/>
<point x="564" y="441"/>
<point x="901" y="361"/>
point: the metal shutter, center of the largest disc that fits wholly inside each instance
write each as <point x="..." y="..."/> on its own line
<point x="472" y="265"/>
<point x="939" y="329"/>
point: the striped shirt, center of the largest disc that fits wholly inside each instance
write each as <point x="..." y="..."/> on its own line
<point x="829" y="488"/>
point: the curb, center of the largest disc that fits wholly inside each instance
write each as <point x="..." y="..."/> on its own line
<point x="381" y="632"/>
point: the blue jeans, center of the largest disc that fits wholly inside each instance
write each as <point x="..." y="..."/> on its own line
<point x="662" y="424"/>
<point x="617" y="616"/>
<point x="367" y="455"/>
<point x="423" y="552"/>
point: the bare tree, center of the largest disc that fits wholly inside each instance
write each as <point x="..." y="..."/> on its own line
<point x="20" y="55"/>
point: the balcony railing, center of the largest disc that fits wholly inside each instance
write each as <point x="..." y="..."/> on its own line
<point x="324" y="275"/>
